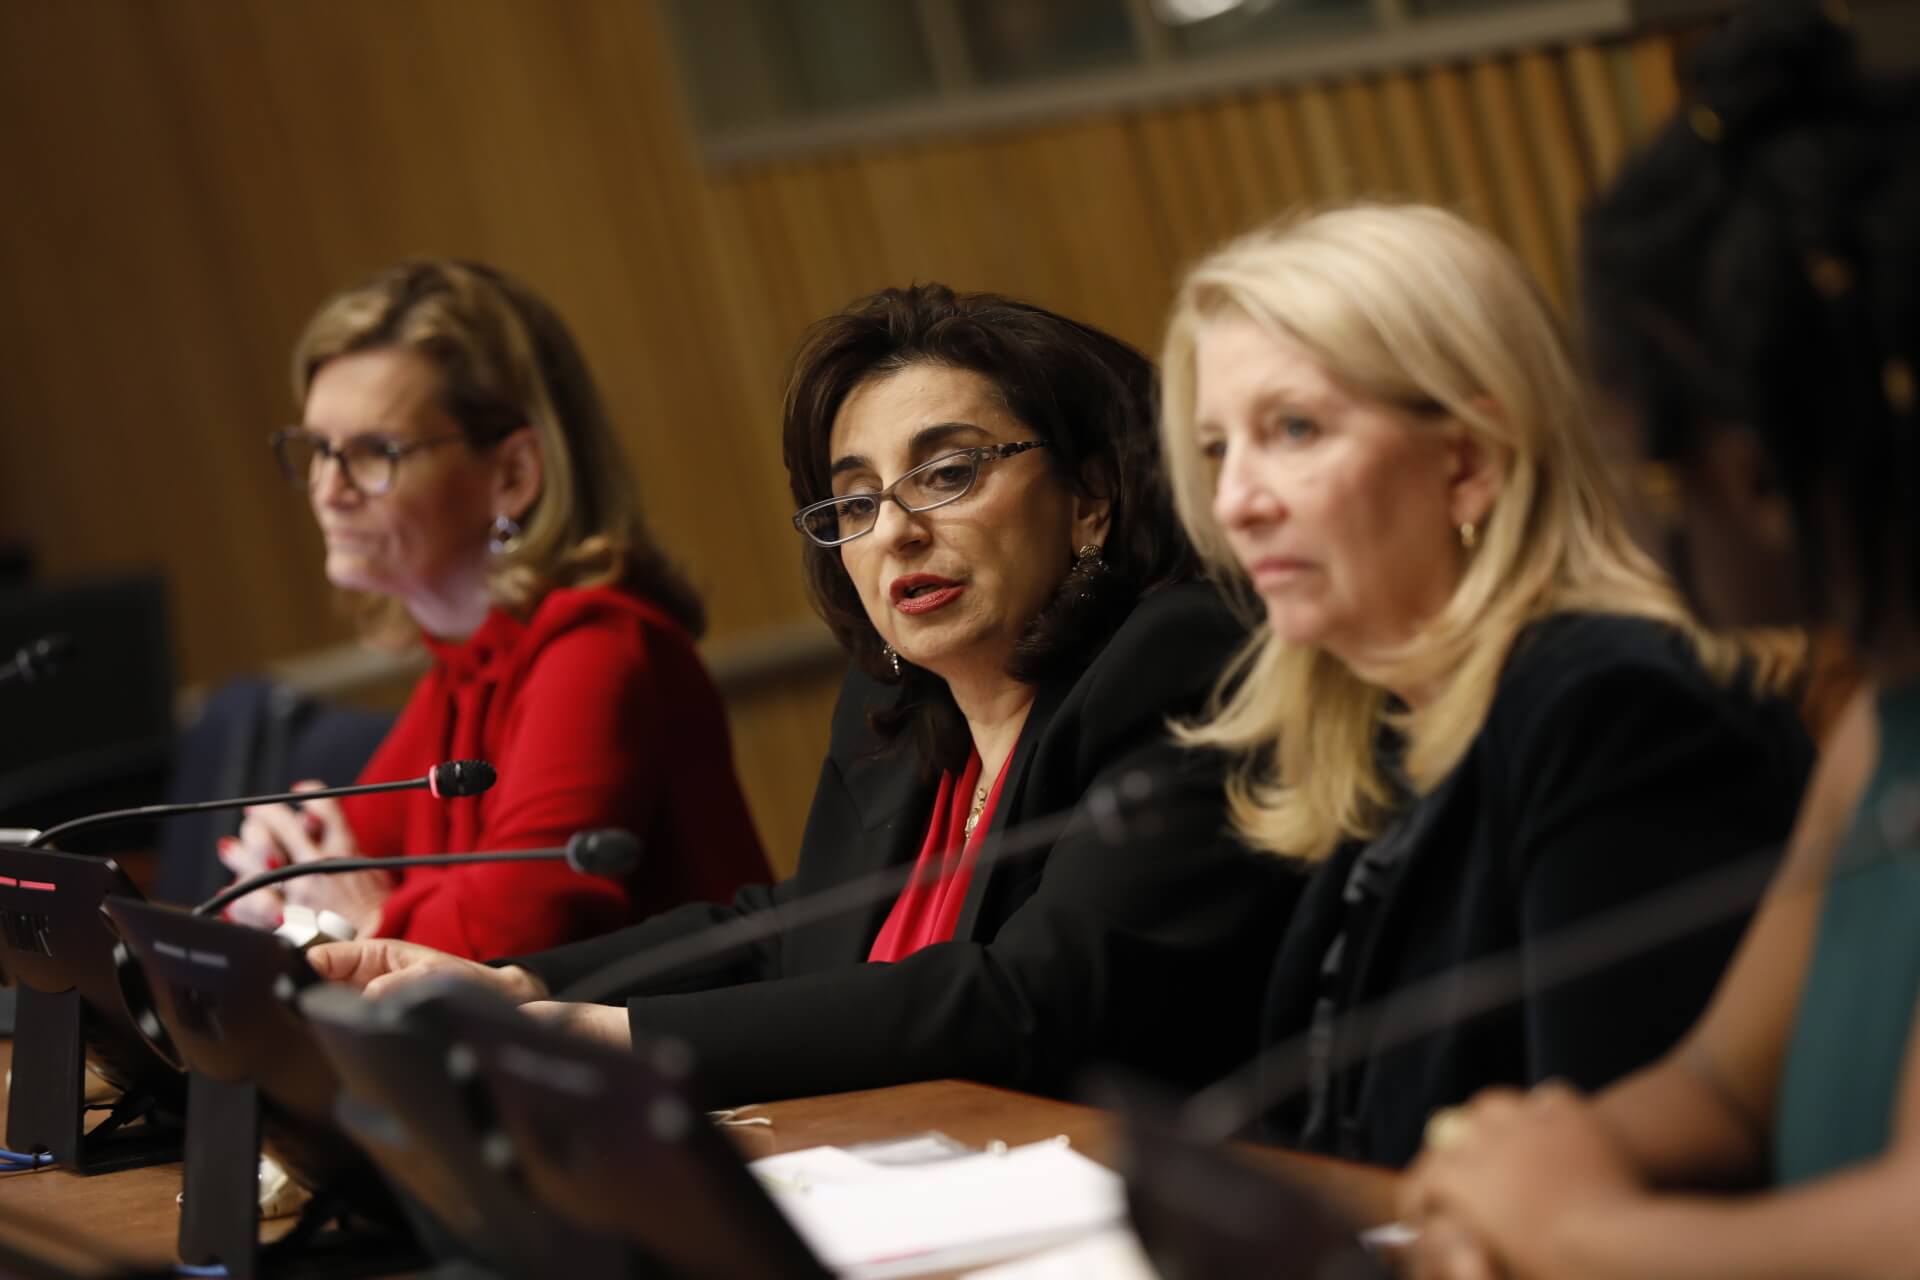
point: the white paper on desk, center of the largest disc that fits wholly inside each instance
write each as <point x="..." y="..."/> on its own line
<point x="872" y="1221"/>
<point x="1112" y="1254"/>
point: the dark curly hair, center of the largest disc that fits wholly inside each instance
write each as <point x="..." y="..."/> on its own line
<point x="1759" y="264"/>
<point x="1090" y="396"/>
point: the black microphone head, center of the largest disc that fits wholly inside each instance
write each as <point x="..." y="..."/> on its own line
<point x="460" y="778"/>
<point x="44" y="656"/>
<point x="610" y="852"/>
<point x="1118" y="808"/>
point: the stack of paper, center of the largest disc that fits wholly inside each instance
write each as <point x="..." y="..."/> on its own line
<point x="1113" y="1254"/>
<point x="873" y="1220"/>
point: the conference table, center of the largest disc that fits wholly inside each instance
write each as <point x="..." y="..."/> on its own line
<point x="109" y="1223"/>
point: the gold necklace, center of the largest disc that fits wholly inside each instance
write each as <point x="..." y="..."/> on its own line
<point x="979" y="807"/>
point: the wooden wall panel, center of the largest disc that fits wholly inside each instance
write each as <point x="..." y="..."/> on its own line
<point x="1463" y="148"/>
<point x="1545" y="106"/>
<point x="1412" y="141"/>
<point x="1597" y="102"/>
<point x="186" y="180"/>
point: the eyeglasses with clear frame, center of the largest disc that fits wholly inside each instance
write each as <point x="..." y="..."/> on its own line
<point x="934" y="483"/>
<point x="370" y="463"/>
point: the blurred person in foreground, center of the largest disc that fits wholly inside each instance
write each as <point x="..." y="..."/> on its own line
<point x="473" y="499"/>
<point x="1754" y="303"/>
<point x="985" y="527"/>
<point x="1474" y="710"/>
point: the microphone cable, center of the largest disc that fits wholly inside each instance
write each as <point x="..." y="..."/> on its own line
<point x="1114" y="810"/>
<point x="1229" y="1107"/>
<point x="11" y="1160"/>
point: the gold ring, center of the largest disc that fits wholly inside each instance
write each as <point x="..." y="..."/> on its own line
<point x="1446" y="1128"/>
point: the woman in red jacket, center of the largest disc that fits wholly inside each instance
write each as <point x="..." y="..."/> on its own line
<point x="473" y="498"/>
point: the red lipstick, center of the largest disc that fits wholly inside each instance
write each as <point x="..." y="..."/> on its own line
<point x="918" y="593"/>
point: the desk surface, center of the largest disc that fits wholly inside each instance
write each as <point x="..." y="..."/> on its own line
<point x="100" y="1224"/>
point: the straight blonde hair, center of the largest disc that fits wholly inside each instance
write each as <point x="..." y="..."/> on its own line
<point x="507" y="361"/>
<point x="1409" y="304"/>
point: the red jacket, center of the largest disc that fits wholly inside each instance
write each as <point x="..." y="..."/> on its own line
<point x="597" y="712"/>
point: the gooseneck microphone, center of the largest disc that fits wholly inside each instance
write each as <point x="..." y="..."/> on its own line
<point x="1114" y="810"/>
<point x="37" y="661"/>
<point x="447" y="781"/>
<point x="611" y="852"/>
<point x="1230" y="1107"/>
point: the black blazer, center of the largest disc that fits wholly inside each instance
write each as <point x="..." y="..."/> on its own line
<point x="1610" y="766"/>
<point x="1151" y="954"/>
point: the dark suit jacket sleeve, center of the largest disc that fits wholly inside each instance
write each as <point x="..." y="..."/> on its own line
<point x="1632" y="780"/>
<point x="561" y="967"/>
<point x="1152" y="953"/>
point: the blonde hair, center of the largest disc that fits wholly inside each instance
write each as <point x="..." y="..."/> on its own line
<point x="507" y="361"/>
<point x="1408" y="304"/>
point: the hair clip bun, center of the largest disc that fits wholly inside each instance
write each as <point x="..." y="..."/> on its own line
<point x="1659" y="489"/>
<point x="1896" y="379"/>
<point x="1831" y="276"/>
<point x="1706" y="123"/>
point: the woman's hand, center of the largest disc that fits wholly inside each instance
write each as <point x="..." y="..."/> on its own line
<point x="1508" y="1171"/>
<point x="317" y="829"/>
<point x="262" y="908"/>
<point x="1445" y="1250"/>
<point x="381" y="966"/>
<point x="604" y="1023"/>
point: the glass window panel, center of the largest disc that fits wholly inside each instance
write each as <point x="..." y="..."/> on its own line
<point x="1235" y="25"/>
<point x="1452" y="8"/>
<point x="754" y="62"/>
<point x="857" y="53"/>
<point x="1015" y="40"/>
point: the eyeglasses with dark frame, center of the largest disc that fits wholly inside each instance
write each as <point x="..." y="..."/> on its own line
<point x="370" y="463"/>
<point x="934" y="483"/>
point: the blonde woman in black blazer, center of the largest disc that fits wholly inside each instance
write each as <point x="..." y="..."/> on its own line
<point x="1473" y="710"/>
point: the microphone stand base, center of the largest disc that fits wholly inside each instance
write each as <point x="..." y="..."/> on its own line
<point x="220" y="1208"/>
<point x="47" y="1104"/>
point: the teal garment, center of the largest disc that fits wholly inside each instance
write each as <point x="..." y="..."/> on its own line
<point x="1849" y="1048"/>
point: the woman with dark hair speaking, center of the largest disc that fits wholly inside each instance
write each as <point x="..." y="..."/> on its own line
<point x="986" y="531"/>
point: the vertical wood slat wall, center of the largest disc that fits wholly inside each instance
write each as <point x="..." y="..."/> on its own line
<point x="185" y="181"/>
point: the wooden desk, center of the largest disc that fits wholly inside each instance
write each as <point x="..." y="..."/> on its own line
<point x="977" y="1114"/>
<point x="90" y="1226"/>
<point x="96" y="1225"/>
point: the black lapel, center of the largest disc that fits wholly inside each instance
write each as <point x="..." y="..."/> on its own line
<point x="890" y="805"/>
<point x="1402" y="895"/>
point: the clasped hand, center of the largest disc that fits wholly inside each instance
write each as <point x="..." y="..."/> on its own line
<point x="274" y="835"/>
<point x="380" y="966"/>
<point x="1515" y="1170"/>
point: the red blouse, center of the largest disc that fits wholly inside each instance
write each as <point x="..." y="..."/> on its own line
<point x="929" y="907"/>
<point x="596" y="712"/>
